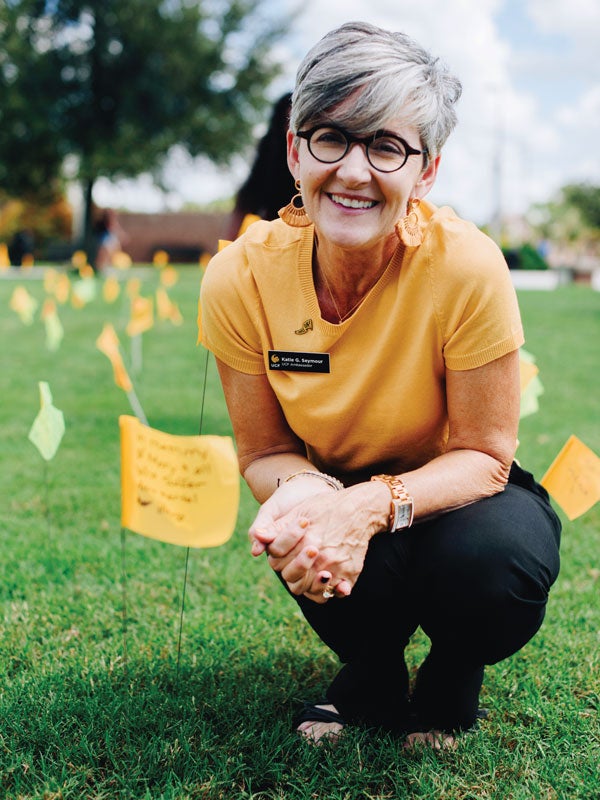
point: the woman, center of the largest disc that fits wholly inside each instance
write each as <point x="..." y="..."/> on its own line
<point x="367" y="344"/>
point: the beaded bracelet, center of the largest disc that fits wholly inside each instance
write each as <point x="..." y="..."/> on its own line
<point x="329" y="480"/>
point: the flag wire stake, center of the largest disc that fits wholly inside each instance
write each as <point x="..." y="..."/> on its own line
<point x="124" y="598"/>
<point x="187" y="552"/>
<point x="187" y="558"/>
<point x="203" y="392"/>
<point x="137" y="406"/>
<point x="47" y="500"/>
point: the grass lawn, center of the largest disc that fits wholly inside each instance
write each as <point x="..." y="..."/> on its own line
<point x="87" y="714"/>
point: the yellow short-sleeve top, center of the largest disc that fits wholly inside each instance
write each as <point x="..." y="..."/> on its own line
<point x="446" y="304"/>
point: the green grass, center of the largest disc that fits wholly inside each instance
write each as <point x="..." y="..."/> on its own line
<point x="87" y="713"/>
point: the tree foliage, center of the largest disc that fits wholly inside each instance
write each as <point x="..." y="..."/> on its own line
<point x="109" y="86"/>
<point x="573" y="216"/>
<point x="586" y="199"/>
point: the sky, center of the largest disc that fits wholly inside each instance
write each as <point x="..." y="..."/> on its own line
<point x="529" y="116"/>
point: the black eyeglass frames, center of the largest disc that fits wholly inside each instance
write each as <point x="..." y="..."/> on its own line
<point x="386" y="152"/>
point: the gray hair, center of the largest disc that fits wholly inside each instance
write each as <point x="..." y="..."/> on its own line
<point x="392" y="76"/>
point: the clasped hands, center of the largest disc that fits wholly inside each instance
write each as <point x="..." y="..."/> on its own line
<point x="315" y="537"/>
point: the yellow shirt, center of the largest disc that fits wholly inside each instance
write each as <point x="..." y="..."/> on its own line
<point x="448" y="303"/>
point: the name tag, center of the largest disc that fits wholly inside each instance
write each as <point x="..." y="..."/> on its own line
<point x="291" y="361"/>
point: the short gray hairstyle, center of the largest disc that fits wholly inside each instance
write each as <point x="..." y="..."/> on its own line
<point x="392" y="76"/>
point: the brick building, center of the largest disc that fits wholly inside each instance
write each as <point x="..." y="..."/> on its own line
<point x="185" y="236"/>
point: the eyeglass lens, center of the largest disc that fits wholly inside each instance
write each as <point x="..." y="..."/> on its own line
<point x="385" y="152"/>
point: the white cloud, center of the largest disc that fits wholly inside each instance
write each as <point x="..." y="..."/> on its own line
<point x="580" y="127"/>
<point x="578" y="19"/>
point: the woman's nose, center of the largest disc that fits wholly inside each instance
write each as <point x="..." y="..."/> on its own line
<point x="355" y="165"/>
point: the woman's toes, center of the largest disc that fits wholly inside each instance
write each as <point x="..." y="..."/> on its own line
<point x="316" y="731"/>
<point x="438" y="740"/>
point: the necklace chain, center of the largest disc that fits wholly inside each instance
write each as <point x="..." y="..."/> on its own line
<point x="342" y="317"/>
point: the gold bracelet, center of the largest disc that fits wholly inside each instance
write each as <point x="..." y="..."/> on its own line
<point x="329" y="480"/>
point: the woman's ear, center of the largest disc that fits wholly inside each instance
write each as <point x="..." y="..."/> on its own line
<point x="425" y="183"/>
<point x="292" y="154"/>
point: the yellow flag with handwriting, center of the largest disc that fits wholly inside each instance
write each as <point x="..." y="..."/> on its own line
<point x="183" y="490"/>
<point x="573" y="479"/>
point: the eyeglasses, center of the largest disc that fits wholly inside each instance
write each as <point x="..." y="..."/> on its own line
<point x="385" y="151"/>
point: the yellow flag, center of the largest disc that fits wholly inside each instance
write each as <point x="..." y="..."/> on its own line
<point x="163" y="303"/>
<point x="247" y="221"/>
<point x="167" y="309"/>
<point x="79" y="259"/>
<point x="23" y="304"/>
<point x="86" y="271"/>
<point x="48" y="427"/>
<point x="111" y="289"/>
<point x="132" y="287"/>
<point x="169" y="276"/>
<point x="175" y="315"/>
<point x="4" y="259"/>
<point x="62" y="287"/>
<point x="222" y="244"/>
<point x="83" y="292"/>
<point x="179" y="489"/>
<point x="108" y="343"/>
<point x="573" y="479"/>
<point x="54" y="328"/>
<point x="121" y="260"/>
<point x="142" y="316"/>
<point x="531" y="386"/>
<point x="50" y="278"/>
<point x="160" y="258"/>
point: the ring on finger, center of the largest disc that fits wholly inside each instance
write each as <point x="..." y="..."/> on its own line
<point x="328" y="592"/>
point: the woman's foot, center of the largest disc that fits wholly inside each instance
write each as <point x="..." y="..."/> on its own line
<point x="438" y="740"/>
<point x="320" y="723"/>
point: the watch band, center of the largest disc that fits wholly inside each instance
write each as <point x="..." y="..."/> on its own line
<point x="402" y="507"/>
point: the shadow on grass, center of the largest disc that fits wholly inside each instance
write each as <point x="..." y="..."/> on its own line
<point x="214" y="729"/>
<point x="220" y="727"/>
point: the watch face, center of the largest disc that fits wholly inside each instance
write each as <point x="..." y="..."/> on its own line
<point x="403" y="515"/>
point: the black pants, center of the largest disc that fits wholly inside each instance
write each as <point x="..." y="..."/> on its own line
<point x="476" y="580"/>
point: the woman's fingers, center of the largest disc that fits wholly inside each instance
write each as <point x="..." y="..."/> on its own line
<point x="343" y="588"/>
<point x="287" y="539"/>
<point x="299" y="573"/>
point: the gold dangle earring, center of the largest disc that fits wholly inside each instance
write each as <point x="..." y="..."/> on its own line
<point x="294" y="213"/>
<point x="408" y="229"/>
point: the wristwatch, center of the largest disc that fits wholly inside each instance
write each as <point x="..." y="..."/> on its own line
<point x="402" y="508"/>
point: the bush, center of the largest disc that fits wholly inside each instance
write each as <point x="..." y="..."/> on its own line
<point x="524" y="257"/>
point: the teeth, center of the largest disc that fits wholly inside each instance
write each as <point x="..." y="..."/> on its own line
<point x="351" y="203"/>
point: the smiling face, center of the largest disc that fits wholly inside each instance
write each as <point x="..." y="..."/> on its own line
<point x="352" y="205"/>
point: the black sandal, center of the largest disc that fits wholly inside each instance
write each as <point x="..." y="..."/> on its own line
<point x="312" y="713"/>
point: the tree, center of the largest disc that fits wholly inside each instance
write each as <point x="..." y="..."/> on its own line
<point x="573" y="216"/>
<point x="586" y="199"/>
<point x="112" y="85"/>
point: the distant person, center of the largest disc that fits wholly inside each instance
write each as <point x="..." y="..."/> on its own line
<point x="21" y="248"/>
<point x="269" y="184"/>
<point x="109" y="238"/>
